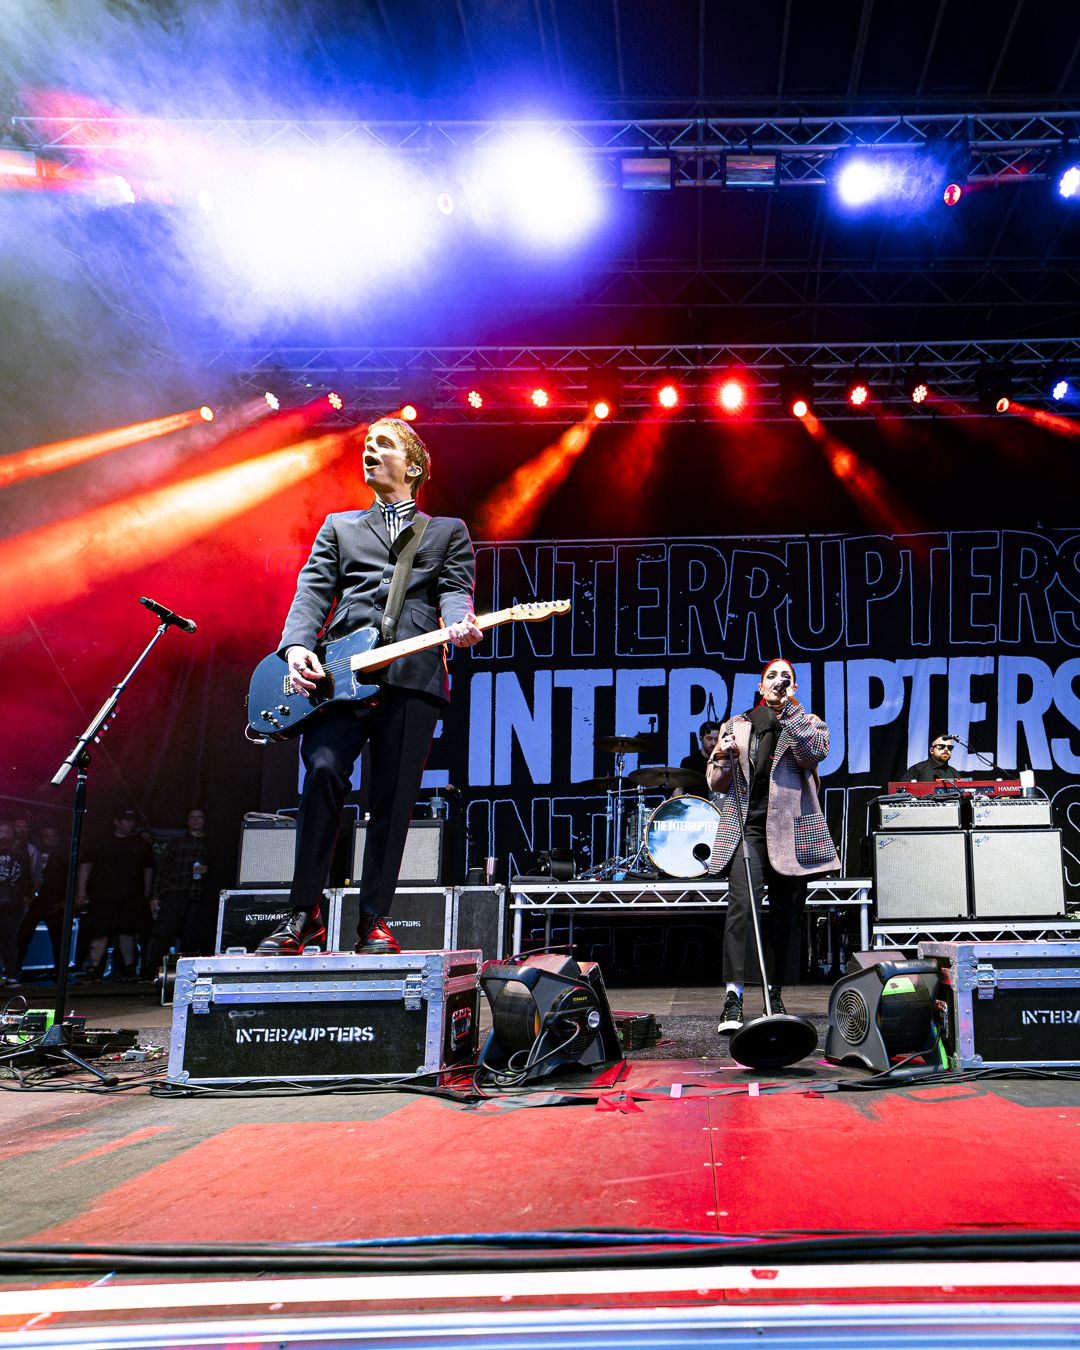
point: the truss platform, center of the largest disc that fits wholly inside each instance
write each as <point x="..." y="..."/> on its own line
<point x="672" y="896"/>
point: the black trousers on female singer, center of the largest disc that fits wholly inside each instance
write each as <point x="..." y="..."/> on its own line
<point x="399" y="728"/>
<point x="782" y="927"/>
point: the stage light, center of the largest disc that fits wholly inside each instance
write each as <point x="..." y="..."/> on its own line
<point x="668" y="396"/>
<point x="858" y="391"/>
<point x="1060" y="390"/>
<point x="546" y="190"/>
<point x="539" y="397"/>
<point x="475" y="399"/>
<point x="601" y="410"/>
<point x="861" y="181"/>
<point x="409" y="412"/>
<point x="206" y="413"/>
<point x="1002" y="405"/>
<point x="952" y="194"/>
<point x="1069" y="182"/>
<point x="797" y="391"/>
<point x="335" y="400"/>
<point x="732" y="396"/>
<point x="994" y="389"/>
<point x="444" y="204"/>
<point x="919" y="393"/>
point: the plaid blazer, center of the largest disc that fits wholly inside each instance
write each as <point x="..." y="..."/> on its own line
<point x="796" y="835"/>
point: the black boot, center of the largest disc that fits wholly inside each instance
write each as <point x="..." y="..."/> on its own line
<point x="301" y="929"/>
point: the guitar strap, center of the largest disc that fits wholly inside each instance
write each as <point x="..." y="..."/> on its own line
<point x="399" y="581"/>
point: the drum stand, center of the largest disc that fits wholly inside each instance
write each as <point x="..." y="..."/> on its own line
<point x="773" y="1040"/>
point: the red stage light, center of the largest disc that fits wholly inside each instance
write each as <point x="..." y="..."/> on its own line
<point x="601" y="409"/>
<point x="857" y="395"/>
<point x="335" y="400"/>
<point x="540" y="397"/>
<point x="732" y="395"/>
<point x="667" y="396"/>
<point x="920" y="393"/>
<point x="206" y="413"/>
<point x="800" y="408"/>
<point x="952" y="194"/>
<point x="409" y="412"/>
<point x="272" y="400"/>
<point x="1003" y="404"/>
<point x="475" y="399"/>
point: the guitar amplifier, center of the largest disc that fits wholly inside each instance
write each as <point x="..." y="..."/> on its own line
<point x="422" y="861"/>
<point x="246" y="917"/>
<point x="1009" y="813"/>
<point x="921" y="813"/>
<point x="920" y="875"/>
<point x="1015" y="873"/>
<point x="267" y="851"/>
<point x="317" y="1018"/>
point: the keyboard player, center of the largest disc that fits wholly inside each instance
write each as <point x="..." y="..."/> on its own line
<point x="937" y="766"/>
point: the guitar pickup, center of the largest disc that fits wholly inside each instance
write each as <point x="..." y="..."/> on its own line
<point x="286" y="686"/>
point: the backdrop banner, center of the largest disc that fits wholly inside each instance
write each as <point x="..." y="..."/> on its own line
<point x="893" y="638"/>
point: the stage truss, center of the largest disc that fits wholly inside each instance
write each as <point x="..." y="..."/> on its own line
<point x="907" y="936"/>
<point x="1011" y="147"/>
<point x="374" y="380"/>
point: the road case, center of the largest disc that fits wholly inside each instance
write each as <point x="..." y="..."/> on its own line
<point x="312" y="1018"/>
<point x="1008" y="1003"/>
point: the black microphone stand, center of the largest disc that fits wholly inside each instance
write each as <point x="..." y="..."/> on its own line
<point x="773" y="1040"/>
<point x="55" y="1043"/>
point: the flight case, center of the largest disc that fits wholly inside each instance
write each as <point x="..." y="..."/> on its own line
<point x="241" y="1019"/>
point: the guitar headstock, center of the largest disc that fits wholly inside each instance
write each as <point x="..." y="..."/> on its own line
<point x="539" y="609"/>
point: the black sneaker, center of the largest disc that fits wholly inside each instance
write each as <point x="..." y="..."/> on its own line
<point x="776" y="1000"/>
<point x="299" y="930"/>
<point x="731" y="1019"/>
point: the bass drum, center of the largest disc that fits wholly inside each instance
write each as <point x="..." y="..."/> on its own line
<point x="680" y="836"/>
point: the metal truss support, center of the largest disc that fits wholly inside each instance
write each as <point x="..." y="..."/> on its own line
<point x="991" y="147"/>
<point x="439" y="378"/>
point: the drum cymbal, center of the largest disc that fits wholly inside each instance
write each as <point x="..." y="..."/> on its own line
<point x="622" y="745"/>
<point x="667" y="775"/>
<point x="601" y="784"/>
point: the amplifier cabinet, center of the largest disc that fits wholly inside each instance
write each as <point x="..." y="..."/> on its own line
<point x="1001" y="1004"/>
<point x="920" y="875"/>
<point x="1015" y="873"/>
<point x="267" y="851"/>
<point x="246" y="917"/>
<point x="252" y="1019"/>
<point x="422" y="861"/>
<point x="920" y="814"/>
<point x="1010" y="813"/>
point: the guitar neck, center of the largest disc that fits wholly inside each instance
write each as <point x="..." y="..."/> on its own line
<point x="379" y="657"/>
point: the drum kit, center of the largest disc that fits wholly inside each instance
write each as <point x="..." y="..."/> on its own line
<point x="641" y="840"/>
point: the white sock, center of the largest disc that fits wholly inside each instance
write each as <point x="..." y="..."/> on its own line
<point x="735" y="989"/>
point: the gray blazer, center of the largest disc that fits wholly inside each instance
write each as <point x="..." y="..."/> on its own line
<point x="349" y="573"/>
<point x="797" y="839"/>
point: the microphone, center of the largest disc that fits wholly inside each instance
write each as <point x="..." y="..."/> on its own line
<point x="168" y="615"/>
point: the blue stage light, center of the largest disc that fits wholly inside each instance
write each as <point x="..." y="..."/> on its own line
<point x="546" y="191"/>
<point x="1060" y="390"/>
<point x="1069" y="182"/>
<point x="861" y="181"/>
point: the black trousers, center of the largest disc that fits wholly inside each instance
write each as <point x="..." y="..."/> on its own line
<point x="41" y="911"/>
<point x="399" y="728"/>
<point x="782" y="927"/>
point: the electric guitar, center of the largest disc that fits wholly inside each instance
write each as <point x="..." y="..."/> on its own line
<point x="277" y="713"/>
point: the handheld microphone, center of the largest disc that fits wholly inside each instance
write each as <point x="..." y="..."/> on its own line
<point x="168" y="615"/>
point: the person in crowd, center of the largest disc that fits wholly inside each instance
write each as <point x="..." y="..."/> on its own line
<point x="47" y="905"/>
<point x="185" y="897"/>
<point x="23" y="836"/>
<point x="776" y="747"/>
<point x="116" y="877"/>
<point x="16" y="887"/>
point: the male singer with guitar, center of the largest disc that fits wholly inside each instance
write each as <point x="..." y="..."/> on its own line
<point x="350" y="570"/>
